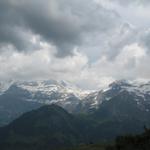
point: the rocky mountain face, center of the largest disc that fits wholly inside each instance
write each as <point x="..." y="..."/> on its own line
<point x="122" y="108"/>
<point x="48" y="92"/>
<point x="140" y="93"/>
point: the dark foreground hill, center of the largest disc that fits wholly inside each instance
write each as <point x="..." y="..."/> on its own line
<point x="138" y="142"/>
<point x="51" y="128"/>
<point x="130" y="142"/>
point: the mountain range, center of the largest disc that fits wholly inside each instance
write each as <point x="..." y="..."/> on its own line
<point x="19" y="97"/>
<point x="55" y="114"/>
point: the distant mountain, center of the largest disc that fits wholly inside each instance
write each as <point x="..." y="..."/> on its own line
<point x="121" y="99"/>
<point x="140" y="92"/>
<point x="47" y="92"/>
<point x="124" y="105"/>
<point x="12" y="105"/>
<point x="124" y="109"/>
<point x="19" y="97"/>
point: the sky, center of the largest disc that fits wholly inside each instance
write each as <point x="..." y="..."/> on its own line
<point x="87" y="42"/>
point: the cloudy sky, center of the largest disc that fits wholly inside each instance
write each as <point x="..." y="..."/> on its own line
<point x="87" y="42"/>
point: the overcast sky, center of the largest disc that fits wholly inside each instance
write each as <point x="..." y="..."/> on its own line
<point x="87" y="42"/>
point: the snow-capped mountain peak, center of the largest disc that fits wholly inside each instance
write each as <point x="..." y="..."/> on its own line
<point x="50" y="86"/>
<point x="4" y="86"/>
<point x="70" y="97"/>
<point x="133" y="87"/>
<point x="47" y="92"/>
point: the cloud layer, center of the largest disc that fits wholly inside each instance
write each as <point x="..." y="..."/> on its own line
<point x="63" y="23"/>
<point x="88" y="42"/>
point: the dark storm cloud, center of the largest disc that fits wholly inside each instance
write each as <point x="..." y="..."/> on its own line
<point x="8" y="26"/>
<point x="63" y="23"/>
<point x="13" y="28"/>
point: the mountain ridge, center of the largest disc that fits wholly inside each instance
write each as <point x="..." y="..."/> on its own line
<point x="35" y="94"/>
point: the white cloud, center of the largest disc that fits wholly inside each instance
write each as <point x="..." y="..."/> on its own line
<point x="40" y="64"/>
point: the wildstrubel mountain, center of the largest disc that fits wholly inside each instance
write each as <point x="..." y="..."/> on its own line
<point x="120" y="100"/>
<point x="19" y="97"/>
